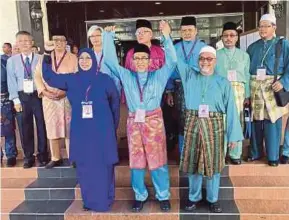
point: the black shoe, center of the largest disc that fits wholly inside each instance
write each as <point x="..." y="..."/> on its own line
<point x="73" y="165"/>
<point x="236" y="161"/>
<point x="251" y="159"/>
<point x="42" y="163"/>
<point x="84" y="208"/>
<point x="284" y="159"/>
<point x="190" y="206"/>
<point x="215" y="207"/>
<point x="165" y="205"/>
<point x="52" y="164"/>
<point x="28" y="164"/>
<point x="11" y="162"/>
<point x="138" y="205"/>
<point x="273" y="163"/>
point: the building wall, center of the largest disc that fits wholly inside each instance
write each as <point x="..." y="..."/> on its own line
<point x="283" y="22"/>
<point x="8" y="22"/>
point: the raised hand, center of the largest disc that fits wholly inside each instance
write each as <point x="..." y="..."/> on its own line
<point x="165" y="28"/>
<point x="109" y="28"/>
<point x="49" y="45"/>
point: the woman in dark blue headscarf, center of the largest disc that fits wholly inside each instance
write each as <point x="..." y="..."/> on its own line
<point x="95" y="116"/>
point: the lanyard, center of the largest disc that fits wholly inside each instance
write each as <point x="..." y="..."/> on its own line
<point x="97" y="71"/>
<point x="27" y="72"/>
<point x="99" y="65"/>
<point x="230" y="60"/>
<point x="204" y="91"/>
<point x="55" y="63"/>
<point x="141" y="90"/>
<point x="265" y="55"/>
<point x="87" y="92"/>
<point x="187" y="57"/>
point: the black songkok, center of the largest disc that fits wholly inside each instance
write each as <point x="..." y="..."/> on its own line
<point x="143" y="23"/>
<point x="141" y="48"/>
<point x="189" y="20"/>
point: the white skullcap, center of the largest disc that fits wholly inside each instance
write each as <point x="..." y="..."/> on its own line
<point x="268" y="17"/>
<point x="92" y="29"/>
<point x="208" y="49"/>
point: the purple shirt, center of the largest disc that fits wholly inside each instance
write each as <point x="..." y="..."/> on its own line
<point x="157" y="57"/>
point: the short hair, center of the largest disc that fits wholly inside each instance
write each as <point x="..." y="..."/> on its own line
<point x="23" y="33"/>
<point x="8" y="44"/>
<point x="94" y="28"/>
<point x="34" y="46"/>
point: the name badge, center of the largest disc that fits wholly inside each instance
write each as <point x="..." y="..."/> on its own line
<point x="87" y="110"/>
<point x="261" y="74"/>
<point x="203" y="111"/>
<point x="232" y="75"/>
<point x="28" y="86"/>
<point x="140" y="116"/>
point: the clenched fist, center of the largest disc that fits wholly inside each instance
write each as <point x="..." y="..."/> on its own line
<point x="109" y="28"/>
<point x="49" y="45"/>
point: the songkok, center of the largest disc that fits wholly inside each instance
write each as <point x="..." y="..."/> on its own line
<point x="92" y="29"/>
<point x="189" y="20"/>
<point x="230" y="26"/>
<point x="268" y="17"/>
<point x="57" y="32"/>
<point x="141" y="48"/>
<point x="208" y="49"/>
<point x="143" y="23"/>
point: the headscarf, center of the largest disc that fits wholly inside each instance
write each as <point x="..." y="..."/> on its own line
<point x="92" y="71"/>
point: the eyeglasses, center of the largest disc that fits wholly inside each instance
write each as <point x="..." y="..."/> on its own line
<point x="59" y="40"/>
<point x="141" y="32"/>
<point x="140" y="59"/>
<point x="229" y="35"/>
<point x="208" y="59"/>
<point x="265" y="26"/>
<point x="99" y="35"/>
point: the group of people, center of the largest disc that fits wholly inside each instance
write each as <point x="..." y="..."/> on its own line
<point x="76" y="99"/>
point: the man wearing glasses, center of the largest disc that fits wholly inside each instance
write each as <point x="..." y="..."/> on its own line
<point x="187" y="50"/>
<point x="144" y="36"/>
<point x="145" y="125"/>
<point x="209" y="97"/>
<point x="267" y="116"/>
<point x="233" y="64"/>
<point x="22" y="91"/>
<point x="56" y="107"/>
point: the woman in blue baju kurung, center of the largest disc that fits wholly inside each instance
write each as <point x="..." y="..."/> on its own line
<point x="95" y="116"/>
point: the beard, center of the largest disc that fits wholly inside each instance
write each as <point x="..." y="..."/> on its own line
<point x="206" y="71"/>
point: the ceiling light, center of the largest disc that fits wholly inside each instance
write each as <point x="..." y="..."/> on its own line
<point x="101" y="10"/>
<point x="219" y="4"/>
<point x="161" y="13"/>
<point x="158" y="3"/>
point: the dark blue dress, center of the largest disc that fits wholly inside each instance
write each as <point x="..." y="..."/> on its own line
<point x="93" y="142"/>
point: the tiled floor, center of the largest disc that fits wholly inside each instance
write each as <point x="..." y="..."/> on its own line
<point x="263" y="206"/>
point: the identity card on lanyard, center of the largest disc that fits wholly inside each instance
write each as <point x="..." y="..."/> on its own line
<point x="261" y="71"/>
<point x="231" y="73"/>
<point x="203" y="108"/>
<point x="87" y="109"/>
<point x="28" y="86"/>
